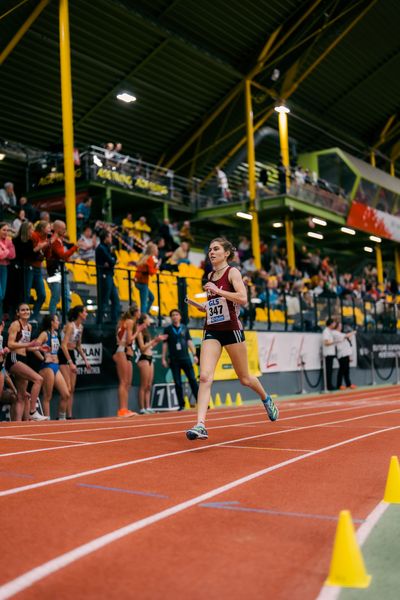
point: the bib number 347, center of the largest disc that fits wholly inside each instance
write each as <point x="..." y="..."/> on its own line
<point x="217" y="311"/>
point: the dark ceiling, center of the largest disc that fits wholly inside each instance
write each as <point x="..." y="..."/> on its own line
<point x="338" y="64"/>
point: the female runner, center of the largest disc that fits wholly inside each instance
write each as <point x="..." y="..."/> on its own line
<point x="145" y="363"/>
<point x="70" y="346"/>
<point x="127" y="331"/>
<point x="50" y="367"/>
<point x="19" y="341"/>
<point x="225" y="293"/>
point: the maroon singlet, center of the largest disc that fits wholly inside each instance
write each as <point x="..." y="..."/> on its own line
<point x="221" y="312"/>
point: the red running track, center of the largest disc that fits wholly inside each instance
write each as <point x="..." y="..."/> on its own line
<point x="131" y="509"/>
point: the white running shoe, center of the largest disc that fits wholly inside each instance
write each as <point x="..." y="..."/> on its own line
<point x="36" y="416"/>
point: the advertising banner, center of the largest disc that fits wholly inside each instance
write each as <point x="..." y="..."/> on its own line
<point x="374" y="221"/>
<point x="385" y="347"/>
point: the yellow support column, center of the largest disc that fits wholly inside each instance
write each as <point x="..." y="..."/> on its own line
<point x="290" y="243"/>
<point x="397" y="264"/>
<point x="251" y="160"/>
<point x="283" y="111"/>
<point x="392" y="169"/>
<point x="67" y="120"/>
<point x="22" y="30"/>
<point x="372" y="159"/>
<point x="379" y="265"/>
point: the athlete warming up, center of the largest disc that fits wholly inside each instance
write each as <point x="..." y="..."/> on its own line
<point x="225" y="293"/>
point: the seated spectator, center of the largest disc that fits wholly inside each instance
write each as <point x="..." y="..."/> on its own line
<point x="163" y="253"/>
<point x="44" y="215"/>
<point x="20" y="218"/>
<point x="249" y="266"/>
<point x="181" y="255"/>
<point x="185" y="234"/>
<point x="128" y="229"/>
<point x="165" y="231"/>
<point x="7" y="253"/>
<point x="244" y="248"/>
<point x="121" y="159"/>
<point x="141" y="229"/>
<point x="30" y="211"/>
<point x="8" y="199"/>
<point x="87" y="244"/>
<point x="83" y="214"/>
<point x="56" y="255"/>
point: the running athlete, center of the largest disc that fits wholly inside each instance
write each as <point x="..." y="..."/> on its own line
<point x="50" y="367"/>
<point x="225" y="293"/>
<point x="127" y="331"/>
<point x="19" y="342"/>
<point x="70" y="346"/>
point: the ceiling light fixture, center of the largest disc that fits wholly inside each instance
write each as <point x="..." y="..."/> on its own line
<point x="277" y="225"/>
<point x="368" y="249"/>
<point x="281" y="107"/>
<point x="375" y="238"/>
<point x="319" y="221"/>
<point x="2" y="156"/>
<point x="126" y="97"/>
<point x="348" y="230"/>
<point x="317" y="236"/>
<point x="243" y="215"/>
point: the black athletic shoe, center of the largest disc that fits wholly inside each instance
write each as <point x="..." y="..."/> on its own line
<point x="198" y="432"/>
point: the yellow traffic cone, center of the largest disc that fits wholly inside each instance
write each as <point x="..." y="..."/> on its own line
<point x="228" y="400"/>
<point x="187" y="402"/>
<point x="238" y="399"/>
<point x="347" y="564"/>
<point x="218" y="401"/>
<point x="211" y="403"/>
<point x="392" y="490"/>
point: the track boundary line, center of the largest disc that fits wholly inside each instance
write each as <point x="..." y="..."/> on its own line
<point x="179" y="431"/>
<point x="62" y="479"/>
<point x="27" y="579"/>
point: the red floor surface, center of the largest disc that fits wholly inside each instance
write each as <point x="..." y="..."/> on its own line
<point x="65" y="485"/>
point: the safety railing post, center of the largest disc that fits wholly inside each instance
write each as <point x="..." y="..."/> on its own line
<point x="130" y="286"/>
<point x="63" y="294"/>
<point x="324" y="375"/>
<point x="396" y="358"/>
<point x="373" y="379"/>
<point x="159" y="318"/>
<point x="302" y="389"/>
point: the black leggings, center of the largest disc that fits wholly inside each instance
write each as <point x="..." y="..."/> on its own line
<point x="187" y="367"/>
<point x="344" y="371"/>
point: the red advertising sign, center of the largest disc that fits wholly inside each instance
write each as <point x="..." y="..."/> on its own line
<point x="373" y="221"/>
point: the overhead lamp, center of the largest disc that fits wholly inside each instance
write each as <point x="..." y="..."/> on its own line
<point x="277" y="225"/>
<point x="368" y="249"/>
<point x="348" y="230"/>
<point x="375" y="238"/>
<point x="126" y="97"/>
<point x="313" y="234"/>
<point x="319" y="221"/>
<point x="281" y="107"/>
<point x="243" y="215"/>
<point x="2" y="156"/>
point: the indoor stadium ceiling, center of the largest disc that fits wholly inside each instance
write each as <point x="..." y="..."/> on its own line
<point x="336" y="62"/>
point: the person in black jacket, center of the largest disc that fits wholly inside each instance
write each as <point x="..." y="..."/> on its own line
<point x="178" y="345"/>
<point x="106" y="289"/>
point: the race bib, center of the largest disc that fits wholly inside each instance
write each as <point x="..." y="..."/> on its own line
<point x="217" y="311"/>
<point x="55" y="345"/>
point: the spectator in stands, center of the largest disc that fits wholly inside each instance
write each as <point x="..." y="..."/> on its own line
<point x="165" y="231"/>
<point x="83" y="211"/>
<point x="8" y="199"/>
<point x="163" y="253"/>
<point x="20" y="218"/>
<point x="105" y="263"/>
<point x="41" y="237"/>
<point x="128" y="229"/>
<point x="30" y="211"/>
<point x="185" y="234"/>
<point x="244" y="248"/>
<point x="141" y="229"/>
<point x="249" y="266"/>
<point x="7" y="253"/>
<point x="224" y="193"/>
<point x="329" y="350"/>
<point x="281" y="176"/>
<point x="180" y="255"/>
<point x="147" y="265"/>
<point x="177" y="344"/>
<point x="109" y="155"/>
<point x="121" y="158"/>
<point x="87" y="244"/>
<point x="56" y="255"/>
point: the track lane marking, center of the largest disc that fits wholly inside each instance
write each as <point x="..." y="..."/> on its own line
<point x="27" y="579"/>
<point x="64" y="478"/>
<point x="167" y="433"/>
<point x="281" y="449"/>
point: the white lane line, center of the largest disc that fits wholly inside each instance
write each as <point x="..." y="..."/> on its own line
<point x="62" y="479"/>
<point x="262" y="448"/>
<point x="28" y="578"/>
<point x="167" y="433"/>
<point x="232" y="414"/>
<point x="332" y="592"/>
<point x="35" y="439"/>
